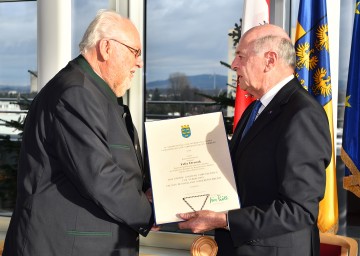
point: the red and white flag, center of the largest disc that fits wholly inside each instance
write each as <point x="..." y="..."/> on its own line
<point x="255" y="12"/>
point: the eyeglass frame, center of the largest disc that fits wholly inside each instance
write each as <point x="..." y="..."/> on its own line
<point x="136" y="52"/>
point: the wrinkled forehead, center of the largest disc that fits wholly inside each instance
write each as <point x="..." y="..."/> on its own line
<point x="265" y="30"/>
<point x="128" y="33"/>
<point x="244" y="44"/>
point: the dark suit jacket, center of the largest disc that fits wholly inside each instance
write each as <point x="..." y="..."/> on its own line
<point x="80" y="176"/>
<point x="280" y="173"/>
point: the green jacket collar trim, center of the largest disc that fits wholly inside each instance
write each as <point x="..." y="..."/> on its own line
<point x="88" y="69"/>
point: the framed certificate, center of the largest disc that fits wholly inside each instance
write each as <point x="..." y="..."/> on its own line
<point x="190" y="166"/>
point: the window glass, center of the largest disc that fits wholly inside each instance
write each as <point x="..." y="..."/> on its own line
<point x="185" y="42"/>
<point x="346" y="30"/>
<point x="18" y="65"/>
<point x="18" y="52"/>
<point x="83" y="12"/>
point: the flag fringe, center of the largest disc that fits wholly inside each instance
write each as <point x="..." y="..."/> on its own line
<point x="351" y="183"/>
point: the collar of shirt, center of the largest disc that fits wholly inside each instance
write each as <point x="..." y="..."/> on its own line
<point x="267" y="97"/>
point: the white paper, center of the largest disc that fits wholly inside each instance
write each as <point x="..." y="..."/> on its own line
<point x="190" y="166"/>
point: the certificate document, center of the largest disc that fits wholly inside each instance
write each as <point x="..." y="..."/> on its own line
<point x="190" y="166"/>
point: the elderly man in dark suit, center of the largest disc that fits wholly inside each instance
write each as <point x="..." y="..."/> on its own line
<point x="279" y="162"/>
<point x="80" y="177"/>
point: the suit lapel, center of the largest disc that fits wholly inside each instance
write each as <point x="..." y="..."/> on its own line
<point x="267" y="115"/>
<point x="235" y="140"/>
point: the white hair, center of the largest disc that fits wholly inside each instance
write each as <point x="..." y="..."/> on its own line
<point x="105" y="24"/>
<point x="281" y="45"/>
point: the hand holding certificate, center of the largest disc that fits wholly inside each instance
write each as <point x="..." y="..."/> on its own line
<point x="190" y="166"/>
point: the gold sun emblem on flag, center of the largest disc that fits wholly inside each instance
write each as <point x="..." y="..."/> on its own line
<point x="323" y="38"/>
<point x="322" y="83"/>
<point x="305" y="59"/>
<point x="357" y="9"/>
<point x="302" y="81"/>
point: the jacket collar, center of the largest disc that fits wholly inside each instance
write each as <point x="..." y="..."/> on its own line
<point x="85" y="66"/>
<point x="272" y="110"/>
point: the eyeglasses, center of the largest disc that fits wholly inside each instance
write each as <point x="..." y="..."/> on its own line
<point x="136" y="52"/>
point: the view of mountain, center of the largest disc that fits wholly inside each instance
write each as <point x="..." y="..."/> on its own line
<point x="21" y="89"/>
<point x="202" y="82"/>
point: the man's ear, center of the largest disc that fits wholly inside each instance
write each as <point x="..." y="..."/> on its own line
<point x="270" y="60"/>
<point x="104" y="49"/>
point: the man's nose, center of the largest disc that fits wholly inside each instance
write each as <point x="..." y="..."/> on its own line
<point x="233" y="65"/>
<point x="139" y="62"/>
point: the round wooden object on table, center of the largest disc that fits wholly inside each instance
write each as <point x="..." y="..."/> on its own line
<point x="204" y="246"/>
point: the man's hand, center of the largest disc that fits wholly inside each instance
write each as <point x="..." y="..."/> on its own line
<point x="155" y="228"/>
<point x="149" y="195"/>
<point x="202" y="221"/>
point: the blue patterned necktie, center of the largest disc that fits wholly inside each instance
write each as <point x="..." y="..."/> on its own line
<point x="252" y="117"/>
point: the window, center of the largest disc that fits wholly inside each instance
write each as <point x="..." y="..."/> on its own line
<point x="83" y="12"/>
<point x="185" y="42"/>
<point x="18" y="65"/>
<point x="18" y="72"/>
<point x="18" y="29"/>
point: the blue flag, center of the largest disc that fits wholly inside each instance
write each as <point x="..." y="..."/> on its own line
<point x="350" y="153"/>
<point x="313" y="71"/>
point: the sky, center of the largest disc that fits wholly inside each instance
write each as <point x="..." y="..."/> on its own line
<point x="186" y="36"/>
<point x="18" y="30"/>
<point x="18" y="42"/>
<point x="182" y="36"/>
<point x="190" y="37"/>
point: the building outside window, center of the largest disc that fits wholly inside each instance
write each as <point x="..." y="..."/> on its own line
<point x="18" y="64"/>
<point x="185" y="42"/>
